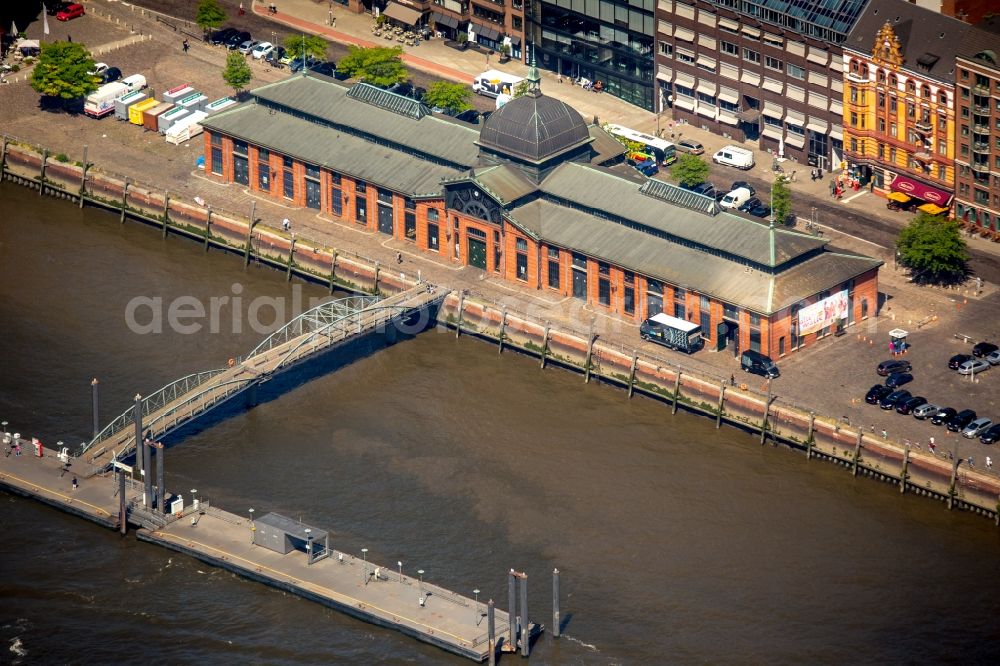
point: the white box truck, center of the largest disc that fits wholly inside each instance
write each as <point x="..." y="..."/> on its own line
<point x="101" y="102"/>
<point x="672" y="332"/>
<point x="494" y="82"/>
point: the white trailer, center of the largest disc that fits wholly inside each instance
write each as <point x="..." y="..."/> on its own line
<point x="186" y="128"/>
<point x="493" y="82"/>
<point x="102" y="101"/>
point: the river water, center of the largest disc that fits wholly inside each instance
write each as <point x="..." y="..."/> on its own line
<point x="678" y="543"/>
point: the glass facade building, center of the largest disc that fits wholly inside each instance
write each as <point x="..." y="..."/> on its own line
<point x="610" y="41"/>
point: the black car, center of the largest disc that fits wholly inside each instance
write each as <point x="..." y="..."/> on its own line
<point x="744" y="184"/>
<point x="886" y="368"/>
<point x="876" y="393"/>
<point x="894" y="398"/>
<point x="750" y="203"/>
<point x="111" y="74"/>
<point x="706" y="189"/>
<point x="274" y="57"/>
<point x="960" y="420"/>
<point x="236" y="39"/>
<point x="957" y="360"/>
<point x="984" y="349"/>
<point x="220" y="36"/>
<point x="897" y="379"/>
<point x="991" y="435"/>
<point x="471" y="116"/>
<point x="324" y="68"/>
<point x="55" y="7"/>
<point x="943" y="415"/>
<point x="908" y="406"/>
<point x="760" y="210"/>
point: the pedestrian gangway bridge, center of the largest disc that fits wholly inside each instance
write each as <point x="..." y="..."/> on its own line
<point x="305" y="337"/>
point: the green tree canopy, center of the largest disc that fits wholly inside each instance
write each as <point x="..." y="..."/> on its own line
<point x="378" y="65"/>
<point x="296" y="45"/>
<point x="690" y="170"/>
<point x="781" y="200"/>
<point x="62" y="69"/>
<point x="521" y="88"/>
<point x="209" y="15"/>
<point x="237" y="73"/>
<point x="452" y="96"/>
<point x="933" y="249"/>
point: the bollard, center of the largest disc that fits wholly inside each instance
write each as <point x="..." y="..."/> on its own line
<point x="512" y="610"/>
<point x="93" y="399"/>
<point x="902" y="473"/>
<point x="545" y="345"/>
<point x="491" y="633"/>
<point x="83" y="176"/>
<point x="722" y="400"/>
<point x="41" y="171"/>
<point x="555" y="603"/>
<point x="503" y="329"/>
<point x="677" y="391"/>
<point x="461" y="305"/>
<point x="810" y="436"/>
<point x="857" y="454"/>
<point x="525" y="625"/>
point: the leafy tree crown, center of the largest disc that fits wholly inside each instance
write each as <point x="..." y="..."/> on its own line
<point x="237" y="73"/>
<point x="209" y="15"/>
<point x="690" y="170"/>
<point x="452" y="96"/>
<point x="62" y="71"/>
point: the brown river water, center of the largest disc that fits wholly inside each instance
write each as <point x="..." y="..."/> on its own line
<point x="678" y="543"/>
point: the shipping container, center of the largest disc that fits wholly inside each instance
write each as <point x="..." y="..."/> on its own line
<point x="193" y="102"/>
<point x="170" y="117"/>
<point x="151" y="118"/>
<point x="125" y="101"/>
<point x="219" y="105"/>
<point x="136" y="110"/>
<point x="177" y="93"/>
<point x="186" y="128"/>
<point x="101" y="102"/>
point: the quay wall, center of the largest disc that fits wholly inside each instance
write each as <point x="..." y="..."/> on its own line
<point x="743" y="406"/>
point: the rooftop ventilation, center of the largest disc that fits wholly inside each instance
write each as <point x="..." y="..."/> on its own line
<point x="404" y="106"/>
<point x="680" y="197"/>
<point x="927" y="60"/>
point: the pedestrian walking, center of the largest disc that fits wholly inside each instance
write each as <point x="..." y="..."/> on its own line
<point x="989" y="463"/>
<point x="399" y="257"/>
<point x="932" y="446"/>
<point x="334" y="22"/>
<point x="76" y="484"/>
<point x="971" y="464"/>
<point x="286" y="224"/>
<point x="17" y="449"/>
<point x="732" y="380"/>
<point x="186" y="46"/>
<point x="885" y="434"/>
<point x="242" y="12"/>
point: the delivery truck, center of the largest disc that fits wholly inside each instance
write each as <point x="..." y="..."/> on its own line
<point x="672" y="332"/>
<point x="101" y="102"/>
<point x="493" y="83"/>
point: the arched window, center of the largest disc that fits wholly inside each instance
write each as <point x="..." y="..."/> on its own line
<point x="893" y="81"/>
<point x="881" y="76"/>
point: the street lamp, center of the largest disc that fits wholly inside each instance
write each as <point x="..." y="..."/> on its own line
<point x="5" y="428"/>
<point x="309" y="546"/>
<point x="252" y="528"/>
<point x="194" y="498"/>
<point x="364" y="554"/>
<point x="420" y="572"/>
<point x="400" y="563"/>
<point x="251" y="516"/>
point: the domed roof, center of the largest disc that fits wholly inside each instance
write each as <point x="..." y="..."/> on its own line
<point x="534" y="127"/>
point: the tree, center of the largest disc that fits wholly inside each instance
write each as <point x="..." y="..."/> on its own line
<point x="209" y="15"/>
<point x="62" y="71"/>
<point x="781" y="199"/>
<point x="690" y="170"/>
<point x="522" y="88"/>
<point x="311" y="45"/>
<point x="452" y="96"/>
<point x="237" y="73"/>
<point x="933" y="249"/>
<point x="378" y="65"/>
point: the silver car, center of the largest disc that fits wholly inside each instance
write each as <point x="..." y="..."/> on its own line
<point x="994" y="357"/>
<point x="976" y="428"/>
<point x="925" y="411"/>
<point x="973" y="366"/>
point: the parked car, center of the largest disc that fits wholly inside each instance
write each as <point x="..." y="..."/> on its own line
<point x="324" y="68"/>
<point x="756" y="363"/>
<point x="976" y="428"/>
<point x="760" y="210"/>
<point x="891" y="400"/>
<point x="925" y="411"/>
<point x="960" y="420"/>
<point x="984" y="349"/>
<point x="98" y="69"/>
<point x="907" y="406"/>
<point x="247" y="47"/>
<point x="276" y="57"/>
<point x="236" y="39"/>
<point x="745" y="185"/>
<point x="298" y="64"/>
<point x="691" y="147"/>
<point x="973" y="366"/>
<point x="734" y="156"/>
<point x="886" y="368"/>
<point x="943" y="414"/>
<point x="897" y="379"/>
<point x="71" y="12"/>
<point x="705" y="189"/>
<point x="957" y="360"/>
<point x="750" y="203"/>
<point x="876" y="393"/>
<point x="735" y="198"/>
<point x="222" y="35"/>
<point x="261" y="50"/>
<point x="993" y="358"/>
<point x="471" y="116"/>
<point x="991" y="435"/>
<point x="111" y="74"/>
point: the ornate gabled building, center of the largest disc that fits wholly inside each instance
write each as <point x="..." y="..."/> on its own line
<point x="899" y="102"/>
<point x="538" y="197"/>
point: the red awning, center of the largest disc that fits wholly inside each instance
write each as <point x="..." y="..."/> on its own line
<point x="920" y="190"/>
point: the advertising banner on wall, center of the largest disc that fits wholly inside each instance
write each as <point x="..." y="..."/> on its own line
<point x="823" y="313"/>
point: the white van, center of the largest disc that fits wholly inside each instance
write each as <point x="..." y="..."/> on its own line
<point x="734" y="156"/>
<point x="493" y="83"/>
<point x="135" y="82"/>
<point x="736" y="198"/>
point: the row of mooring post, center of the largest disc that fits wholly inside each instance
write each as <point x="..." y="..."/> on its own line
<point x="519" y="625"/>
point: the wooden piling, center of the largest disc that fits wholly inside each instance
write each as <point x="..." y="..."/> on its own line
<point x="857" y="453"/>
<point x="722" y="401"/>
<point x="41" y="171"/>
<point x="525" y="624"/>
<point x="208" y="228"/>
<point x="124" y="201"/>
<point x="590" y="353"/>
<point x="555" y="603"/>
<point x="93" y="399"/>
<point x="166" y="211"/>
<point x="503" y="329"/>
<point x="811" y="435"/>
<point x="83" y="176"/>
<point x="291" y="262"/>
<point x="333" y="271"/>
<point x="512" y="610"/>
<point x="248" y="246"/>
<point x="545" y="345"/>
<point x="631" y="374"/>
<point x="491" y="633"/>
<point x="378" y="269"/>
<point x="677" y="391"/>
<point x="767" y="414"/>
<point x="3" y="158"/>
<point x="952" y="492"/>
<point x="122" y="506"/>
<point x="902" y="472"/>
<point x="461" y="312"/>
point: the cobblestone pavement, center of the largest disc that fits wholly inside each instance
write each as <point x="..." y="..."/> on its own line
<point x="932" y="315"/>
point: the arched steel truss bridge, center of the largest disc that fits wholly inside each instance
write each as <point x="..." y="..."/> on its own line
<point x="312" y="332"/>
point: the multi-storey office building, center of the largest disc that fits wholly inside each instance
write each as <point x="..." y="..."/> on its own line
<point x="977" y="82"/>
<point x="767" y="70"/>
<point x="526" y="197"/>
<point x="899" y="102"/>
